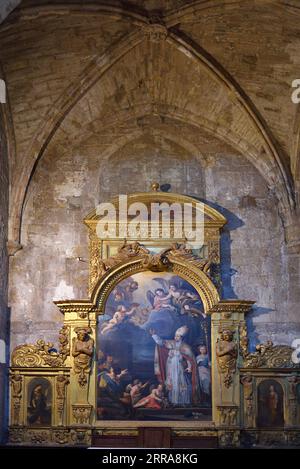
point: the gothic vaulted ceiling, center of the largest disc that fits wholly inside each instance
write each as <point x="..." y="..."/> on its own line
<point x="223" y="67"/>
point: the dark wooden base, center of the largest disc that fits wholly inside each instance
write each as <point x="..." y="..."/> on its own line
<point x="150" y="437"/>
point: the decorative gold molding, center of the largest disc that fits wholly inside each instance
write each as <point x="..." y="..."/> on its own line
<point x="61" y="436"/>
<point x="229" y="438"/>
<point x="212" y="218"/>
<point x="247" y="382"/>
<point x="42" y="353"/>
<point x="16" y="435"/>
<point x="82" y="413"/>
<point x="81" y="307"/>
<point x="194" y="433"/>
<point x="293" y="381"/>
<point x="119" y="432"/>
<point x="61" y="382"/>
<point x="232" y="306"/>
<point x="243" y="336"/>
<point x="228" y="414"/>
<point x="270" y="356"/>
<point x="174" y="259"/>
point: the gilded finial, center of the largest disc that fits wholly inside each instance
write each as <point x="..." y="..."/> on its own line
<point x="154" y="186"/>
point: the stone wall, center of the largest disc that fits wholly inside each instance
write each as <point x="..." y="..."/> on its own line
<point x="3" y="275"/>
<point x="6" y="6"/>
<point x="69" y="183"/>
<point x="101" y="105"/>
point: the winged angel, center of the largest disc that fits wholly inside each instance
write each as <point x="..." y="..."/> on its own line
<point x="168" y="302"/>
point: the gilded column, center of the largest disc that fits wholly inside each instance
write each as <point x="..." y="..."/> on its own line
<point x="229" y="343"/>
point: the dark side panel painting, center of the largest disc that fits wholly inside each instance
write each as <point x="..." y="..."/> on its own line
<point x="154" y="351"/>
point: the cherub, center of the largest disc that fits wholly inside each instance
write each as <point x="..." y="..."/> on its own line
<point x="119" y="316"/>
<point x="135" y="390"/>
<point x="188" y="307"/>
<point x="155" y="400"/>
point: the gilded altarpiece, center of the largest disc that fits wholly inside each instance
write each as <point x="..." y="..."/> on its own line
<point x="154" y="317"/>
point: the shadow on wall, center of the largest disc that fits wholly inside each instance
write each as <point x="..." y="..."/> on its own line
<point x="252" y="333"/>
<point x="4" y="383"/>
<point x="227" y="271"/>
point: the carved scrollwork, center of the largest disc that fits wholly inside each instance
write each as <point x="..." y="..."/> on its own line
<point x="29" y="355"/>
<point x="16" y="435"/>
<point x="82" y="413"/>
<point x="243" y="340"/>
<point x="126" y="251"/>
<point x="272" y="438"/>
<point x="95" y="260"/>
<point x="61" y="436"/>
<point x="81" y="436"/>
<point x="270" y="356"/>
<point x="182" y="251"/>
<point x="156" y="262"/>
<point x="38" y="437"/>
<point x="42" y="353"/>
<point x="229" y="439"/>
<point x="64" y="342"/>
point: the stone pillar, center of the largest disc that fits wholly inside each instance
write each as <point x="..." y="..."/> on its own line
<point x="4" y="312"/>
<point x="229" y="343"/>
<point x="292" y="232"/>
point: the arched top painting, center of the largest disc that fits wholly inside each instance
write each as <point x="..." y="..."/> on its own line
<point x="154" y="351"/>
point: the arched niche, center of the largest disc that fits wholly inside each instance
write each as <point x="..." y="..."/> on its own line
<point x="270" y="404"/>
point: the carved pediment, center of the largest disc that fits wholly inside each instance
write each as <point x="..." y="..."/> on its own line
<point x="155" y="262"/>
<point x="270" y="356"/>
<point x="42" y="354"/>
<point x="164" y="215"/>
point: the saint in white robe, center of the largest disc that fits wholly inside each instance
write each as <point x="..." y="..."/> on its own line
<point x="182" y="386"/>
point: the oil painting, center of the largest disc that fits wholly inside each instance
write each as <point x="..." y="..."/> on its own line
<point x="270" y="404"/>
<point x="154" y="351"/>
<point x="39" y="402"/>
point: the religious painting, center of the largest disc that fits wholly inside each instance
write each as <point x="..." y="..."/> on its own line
<point x="270" y="404"/>
<point x="39" y="405"/>
<point x="154" y="351"/>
